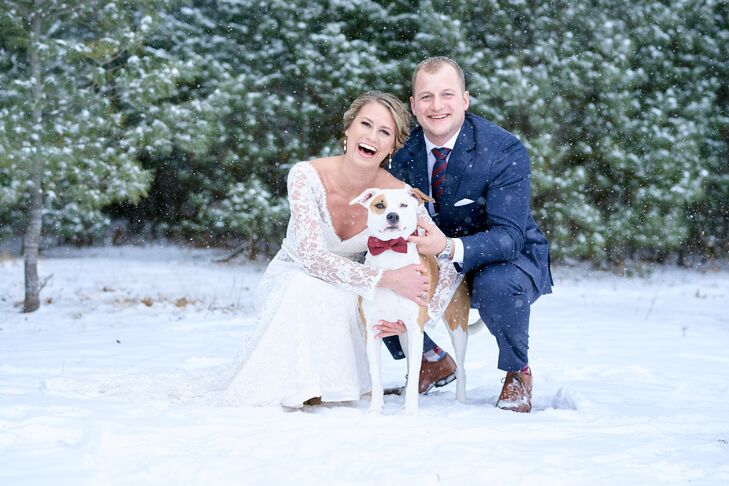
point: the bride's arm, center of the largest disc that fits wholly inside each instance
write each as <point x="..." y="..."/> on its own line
<point x="310" y="244"/>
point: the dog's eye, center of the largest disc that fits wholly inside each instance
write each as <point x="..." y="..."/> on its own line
<point x="403" y="205"/>
<point x="379" y="205"/>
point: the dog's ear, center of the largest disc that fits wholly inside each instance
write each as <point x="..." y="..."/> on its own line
<point x="364" y="197"/>
<point x="420" y="196"/>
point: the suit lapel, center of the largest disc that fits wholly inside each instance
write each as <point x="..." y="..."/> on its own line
<point x="459" y="160"/>
<point x="418" y="165"/>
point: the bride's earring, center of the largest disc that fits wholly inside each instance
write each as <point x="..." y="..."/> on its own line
<point x="389" y="161"/>
<point x="345" y="145"/>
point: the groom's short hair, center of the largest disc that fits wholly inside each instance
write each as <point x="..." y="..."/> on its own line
<point x="433" y="64"/>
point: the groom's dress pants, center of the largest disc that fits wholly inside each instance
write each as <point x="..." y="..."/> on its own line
<point x="503" y="294"/>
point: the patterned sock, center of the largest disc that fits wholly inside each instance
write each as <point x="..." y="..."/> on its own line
<point x="434" y="355"/>
<point x="526" y="369"/>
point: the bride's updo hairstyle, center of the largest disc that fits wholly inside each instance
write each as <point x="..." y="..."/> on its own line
<point x="396" y="108"/>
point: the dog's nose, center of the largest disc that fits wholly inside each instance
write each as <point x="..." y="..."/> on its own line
<point x="393" y="218"/>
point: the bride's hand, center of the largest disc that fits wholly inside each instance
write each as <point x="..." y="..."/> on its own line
<point x="387" y="329"/>
<point x="411" y="282"/>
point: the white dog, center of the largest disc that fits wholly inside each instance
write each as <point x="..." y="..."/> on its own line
<point x="392" y="219"/>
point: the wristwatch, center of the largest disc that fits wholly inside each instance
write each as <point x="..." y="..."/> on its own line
<point x="445" y="255"/>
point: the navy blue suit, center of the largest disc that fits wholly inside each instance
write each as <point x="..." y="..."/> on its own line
<point x="506" y="256"/>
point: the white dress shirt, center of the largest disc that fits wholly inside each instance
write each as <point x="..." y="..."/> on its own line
<point x="429" y="146"/>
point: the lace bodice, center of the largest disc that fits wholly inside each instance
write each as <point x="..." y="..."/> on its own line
<point x="312" y="242"/>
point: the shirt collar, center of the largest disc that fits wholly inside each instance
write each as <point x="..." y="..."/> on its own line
<point x="429" y="146"/>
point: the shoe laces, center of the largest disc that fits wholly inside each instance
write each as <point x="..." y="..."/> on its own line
<point x="515" y="378"/>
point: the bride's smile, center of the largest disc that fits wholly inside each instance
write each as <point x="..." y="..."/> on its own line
<point x="371" y="134"/>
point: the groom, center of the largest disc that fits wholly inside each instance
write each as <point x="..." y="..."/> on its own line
<point x="479" y="175"/>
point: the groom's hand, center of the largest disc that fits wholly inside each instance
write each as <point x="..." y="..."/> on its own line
<point x="387" y="329"/>
<point x="432" y="242"/>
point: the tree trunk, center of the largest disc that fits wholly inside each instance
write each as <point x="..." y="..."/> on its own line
<point x="31" y="241"/>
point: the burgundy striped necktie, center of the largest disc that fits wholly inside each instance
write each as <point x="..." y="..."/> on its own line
<point x="437" y="180"/>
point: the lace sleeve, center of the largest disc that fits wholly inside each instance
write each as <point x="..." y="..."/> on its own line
<point x="310" y="244"/>
<point x="448" y="281"/>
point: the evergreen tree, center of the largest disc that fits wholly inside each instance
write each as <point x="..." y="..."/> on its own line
<point x="622" y="106"/>
<point x="265" y="86"/>
<point x="65" y="154"/>
<point x="615" y="106"/>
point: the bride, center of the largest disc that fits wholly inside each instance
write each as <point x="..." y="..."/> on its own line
<point x="309" y="341"/>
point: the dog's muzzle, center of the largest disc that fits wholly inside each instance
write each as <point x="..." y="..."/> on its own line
<point x="392" y="218"/>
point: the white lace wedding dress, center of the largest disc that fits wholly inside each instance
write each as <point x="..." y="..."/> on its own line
<point x="309" y="341"/>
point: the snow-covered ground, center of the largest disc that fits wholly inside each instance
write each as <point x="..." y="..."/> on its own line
<point x="631" y="386"/>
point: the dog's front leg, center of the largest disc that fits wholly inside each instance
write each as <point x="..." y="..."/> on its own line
<point x="415" y="351"/>
<point x="404" y="345"/>
<point x="373" y="357"/>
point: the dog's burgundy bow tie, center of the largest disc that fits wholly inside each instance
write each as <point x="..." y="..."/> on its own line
<point x="377" y="246"/>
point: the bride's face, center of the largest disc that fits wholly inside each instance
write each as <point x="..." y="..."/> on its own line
<point x="371" y="136"/>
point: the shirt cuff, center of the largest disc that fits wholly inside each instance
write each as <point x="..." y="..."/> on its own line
<point x="457" y="251"/>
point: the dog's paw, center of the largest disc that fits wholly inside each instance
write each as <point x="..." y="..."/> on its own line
<point x="375" y="408"/>
<point x="412" y="410"/>
<point x="411" y="407"/>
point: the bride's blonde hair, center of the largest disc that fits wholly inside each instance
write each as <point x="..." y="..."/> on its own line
<point x="396" y="108"/>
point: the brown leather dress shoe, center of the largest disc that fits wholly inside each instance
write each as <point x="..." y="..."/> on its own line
<point x="436" y="374"/>
<point x="516" y="394"/>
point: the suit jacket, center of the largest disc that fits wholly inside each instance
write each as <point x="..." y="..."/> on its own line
<point x="490" y="167"/>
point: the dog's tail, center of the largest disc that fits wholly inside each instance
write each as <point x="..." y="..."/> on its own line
<point x="476" y="327"/>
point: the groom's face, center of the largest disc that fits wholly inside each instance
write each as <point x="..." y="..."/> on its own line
<point x="439" y="103"/>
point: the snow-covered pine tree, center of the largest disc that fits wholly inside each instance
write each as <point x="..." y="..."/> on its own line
<point x="64" y="152"/>
<point x="661" y="109"/>
<point x="622" y="106"/>
<point x="529" y="68"/>
<point x="265" y="86"/>
<point x="617" y="104"/>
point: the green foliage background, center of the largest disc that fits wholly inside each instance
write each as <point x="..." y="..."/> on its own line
<point x="183" y="117"/>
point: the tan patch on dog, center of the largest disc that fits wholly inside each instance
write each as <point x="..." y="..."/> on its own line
<point x="456" y="314"/>
<point x="362" y="314"/>
<point x="380" y="200"/>
<point x="428" y="261"/>
<point x="422" y="317"/>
